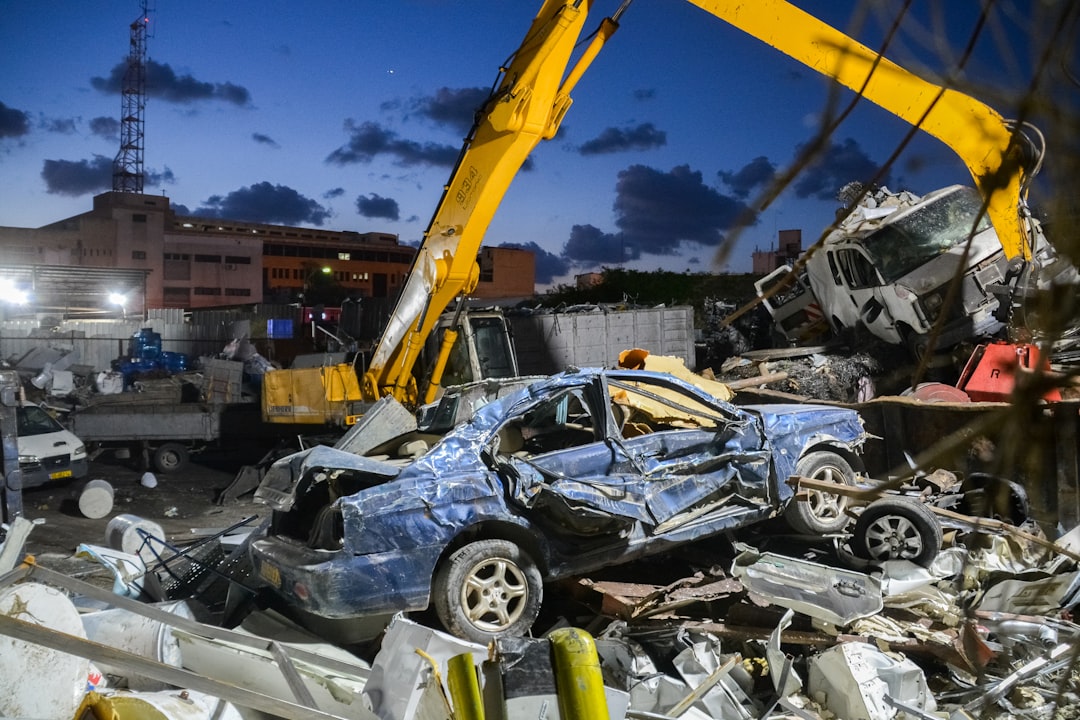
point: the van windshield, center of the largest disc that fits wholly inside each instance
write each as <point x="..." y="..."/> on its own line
<point x="927" y="232"/>
<point x="35" y="421"/>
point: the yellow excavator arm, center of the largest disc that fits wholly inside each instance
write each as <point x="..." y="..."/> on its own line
<point x="533" y="95"/>
<point x="525" y="108"/>
<point x="982" y="139"/>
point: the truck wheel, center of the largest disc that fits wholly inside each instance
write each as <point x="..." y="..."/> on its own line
<point x="170" y="458"/>
<point x="488" y="589"/>
<point x="822" y="512"/>
<point x="897" y="528"/>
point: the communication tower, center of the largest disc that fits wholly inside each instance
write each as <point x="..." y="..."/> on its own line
<point x="128" y="164"/>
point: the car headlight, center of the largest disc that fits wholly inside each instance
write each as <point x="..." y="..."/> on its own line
<point x="932" y="303"/>
<point x="79" y="451"/>
<point x="28" y="460"/>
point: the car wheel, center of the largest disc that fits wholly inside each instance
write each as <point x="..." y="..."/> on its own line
<point x="170" y="457"/>
<point x="897" y="528"/>
<point x="488" y="589"/>
<point x="822" y="512"/>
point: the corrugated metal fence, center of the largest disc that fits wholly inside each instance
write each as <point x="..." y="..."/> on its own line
<point x="97" y="343"/>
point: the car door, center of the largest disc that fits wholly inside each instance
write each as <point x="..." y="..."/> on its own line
<point x="692" y="455"/>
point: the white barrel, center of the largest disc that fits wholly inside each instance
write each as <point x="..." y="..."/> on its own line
<point x="122" y="533"/>
<point x="139" y="635"/>
<point x="36" y="681"/>
<point x="96" y="499"/>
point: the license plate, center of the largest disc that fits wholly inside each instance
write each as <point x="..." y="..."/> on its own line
<point x="270" y="574"/>
<point x="59" y="474"/>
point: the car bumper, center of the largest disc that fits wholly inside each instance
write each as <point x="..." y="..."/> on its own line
<point x="340" y="585"/>
<point x="36" y="475"/>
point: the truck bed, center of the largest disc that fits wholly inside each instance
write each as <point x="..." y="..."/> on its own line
<point x="183" y="421"/>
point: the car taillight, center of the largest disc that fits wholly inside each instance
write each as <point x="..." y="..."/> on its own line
<point x="301" y="591"/>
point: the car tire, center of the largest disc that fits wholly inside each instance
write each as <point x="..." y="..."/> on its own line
<point x="170" y="458"/>
<point x="486" y="590"/>
<point x="897" y="528"/>
<point x="822" y="513"/>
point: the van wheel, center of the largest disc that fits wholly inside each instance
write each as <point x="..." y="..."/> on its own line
<point x="822" y="512"/>
<point x="170" y="458"/>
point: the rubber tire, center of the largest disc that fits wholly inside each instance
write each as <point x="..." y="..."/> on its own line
<point x="170" y="458"/>
<point x="501" y="565"/>
<point x="892" y="514"/>
<point x="800" y="515"/>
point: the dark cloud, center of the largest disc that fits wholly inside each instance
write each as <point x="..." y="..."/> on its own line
<point x="335" y="193"/>
<point x="264" y="139"/>
<point x="612" y="140"/>
<point x="840" y="164"/>
<point x="105" y="127"/>
<point x="153" y="178"/>
<point x="60" y="126"/>
<point x="645" y="94"/>
<point x="453" y="107"/>
<point x="757" y="173"/>
<point x="657" y="211"/>
<point x="369" y="140"/>
<point x="13" y="123"/>
<point x="376" y="206"/>
<point x="548" y="265"/>
<point x="82" y="177"/>
<point x="75" y="178"/>
<point x="589" y="245"/>
<point x="264" y="203"/>
<point x="163" y="83"/>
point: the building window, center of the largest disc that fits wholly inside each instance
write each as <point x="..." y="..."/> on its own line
<point x="238" y="292"/>
<point x="177" y="293"/>
<point x="207" y="291"/>
<point x="343" y="256"/>
<point x="208" y="258"/>
<point x="138" y="254"/>
<point x="238" y="259"/>
<point x="138" y="217"/>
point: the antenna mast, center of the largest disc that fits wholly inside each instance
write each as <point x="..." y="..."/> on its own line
<point x="128" y="164"/>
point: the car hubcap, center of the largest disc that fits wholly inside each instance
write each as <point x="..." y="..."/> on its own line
<point x="826" y="505"/>
<point x="494" y="594"/>
<point x="893" y="537"/>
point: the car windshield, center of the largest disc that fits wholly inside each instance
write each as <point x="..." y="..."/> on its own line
<point x="930" y="230"/>
<point x="35" y="421"/>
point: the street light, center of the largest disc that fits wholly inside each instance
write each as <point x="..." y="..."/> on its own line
<point x="325" y="270"/>
<point x="11" y="292"/>
<point x="120" y="300"/>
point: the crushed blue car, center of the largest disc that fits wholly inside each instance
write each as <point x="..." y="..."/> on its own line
<point x="582" y="470"/>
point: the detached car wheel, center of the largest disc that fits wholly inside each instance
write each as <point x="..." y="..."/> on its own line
<point x="488" y="589"/>
<point x="822" y="512"/>
<point x="897" y="528"/>
<point x="170" y="458"/>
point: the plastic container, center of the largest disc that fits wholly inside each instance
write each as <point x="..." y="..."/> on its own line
<point x="36" y="681"/>
<point x="124" y="533"/>
<point x="96" y="499"/>
<point x="139" y="635"/>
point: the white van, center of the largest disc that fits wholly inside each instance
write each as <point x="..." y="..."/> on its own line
<point x="47" y="451"/>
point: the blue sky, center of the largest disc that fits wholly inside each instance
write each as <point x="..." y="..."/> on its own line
<point x="348" y="115"/>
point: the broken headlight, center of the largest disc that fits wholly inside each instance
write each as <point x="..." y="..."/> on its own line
<point x="931" y="304"/>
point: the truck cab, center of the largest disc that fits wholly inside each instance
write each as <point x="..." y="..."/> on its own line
<point x="48" y="452"/>
<point x="888" y="268"/>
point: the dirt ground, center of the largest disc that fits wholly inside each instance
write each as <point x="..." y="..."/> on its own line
<point x="183" y="504"/>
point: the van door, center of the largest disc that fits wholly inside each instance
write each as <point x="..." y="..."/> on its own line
<point x="866" y="305"/>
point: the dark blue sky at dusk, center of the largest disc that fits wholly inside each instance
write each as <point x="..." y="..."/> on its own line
<point x="350" y="115"/>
